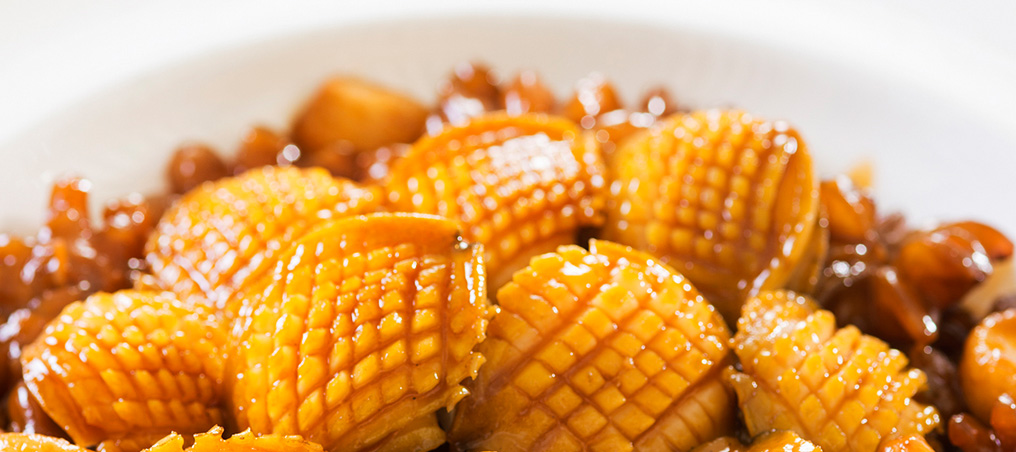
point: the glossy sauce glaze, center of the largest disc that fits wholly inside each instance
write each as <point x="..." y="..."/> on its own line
<point x="359" y="332"/>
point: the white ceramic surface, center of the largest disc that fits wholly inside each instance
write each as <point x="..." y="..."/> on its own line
<point x="940" y="151"/>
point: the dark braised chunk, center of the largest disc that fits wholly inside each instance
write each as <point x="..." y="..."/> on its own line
<point x="970" y="435"/>
<point x="953" y="329"/>
<point x="374" y="166"/>
<point x="192" y="165"/>
<point x="338" y="158"/>
<point x="474" y="81"/>
<point x="946" y="262"/>
<point x="471" y="90"/>
<point x="614" y="123"/>
<point x="14" y="255"/>
<point x="365" y="114"/>
<point x="527" y="94"/>
<point x="594" y="95"/>
<point x="126" y="225"/>
<point x="895" y="283"/>
<point x="942" y="294"/>
<point x="896" y="297"/>
<point x="613" y="127"/>
<point x="1003" y="421"/>
<point x="659" y="102"/>
<point x="66" y="261"/>
<point x="259" y="147"/>
<point x="24" y="325"/>
<point x="943" y="389"/>
<point x="849" y="212"/>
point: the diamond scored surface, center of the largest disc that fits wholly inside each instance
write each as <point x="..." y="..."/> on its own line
<point x="602" y="349"/>
<point x="519" y="185"/>
<point x="362" y="331"/>
<point x="728" y="200"/>
<point x="839" y="388"/>
<point x="222" y="234"/>
<point x="128" y="368"/>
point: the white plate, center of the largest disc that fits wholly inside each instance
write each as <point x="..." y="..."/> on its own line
<point x="939" y="152"/>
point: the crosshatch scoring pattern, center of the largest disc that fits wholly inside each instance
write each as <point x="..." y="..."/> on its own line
<point x="365" y="325"/>
<point x="842" y="389"/>
<point x="718" y="195"/>
<point x="602" y="349"/>
<point x="221" y="234"/>
<point x="128" y="368"/>
<point x="513" y="182"/>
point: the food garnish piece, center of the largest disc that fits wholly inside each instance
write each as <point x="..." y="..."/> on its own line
<point x="605" y="349"/>
<point x="727" y="199"/>
<point x="128" y="365"/>
<point x="363" y="330"/>
<point x="838" y="388"/>
<point x="364" y="114"/>
<point x="520" y="185"/>
<point x="770" y="442"/>
<point x="219" y="236"/>
<point x="36" y="443"/>
<point x="241" y="442"/>
<point x="988" y="366"/>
